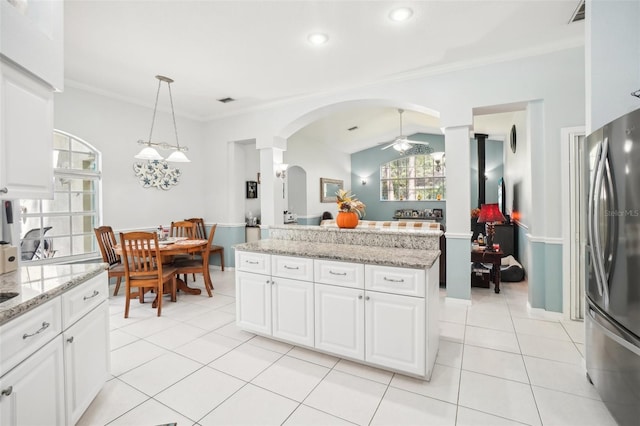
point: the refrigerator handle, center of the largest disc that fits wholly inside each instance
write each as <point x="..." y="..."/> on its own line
<point x="614" y="332"/>
<point x="593" y="231"/>
<point x="611" y="248"/>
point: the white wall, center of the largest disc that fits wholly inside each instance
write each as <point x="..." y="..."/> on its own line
<point x="556" y="79"/>
<point x="612" y="60"/>
<point x="319" y="162"/>
<point x="114" y="127"/>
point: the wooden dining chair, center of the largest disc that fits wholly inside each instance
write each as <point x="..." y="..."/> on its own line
<point x="201" y="232"/>
<point x="198" y="264"/>
<point x="143" y="268"/>
<point x="184" y="228"/>
<point x="107" y="241"/>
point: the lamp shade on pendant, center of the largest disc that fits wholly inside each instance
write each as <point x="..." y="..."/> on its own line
<point x="148" y="153"/>
<point x="490" y="213"/>
<point x="178" y="157"/>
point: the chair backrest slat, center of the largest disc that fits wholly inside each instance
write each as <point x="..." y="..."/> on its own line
<point x="107" y="241"/>
<point x="140" y="254"/>
<point x="201" y="231"/>
<point x="183" y="228"/>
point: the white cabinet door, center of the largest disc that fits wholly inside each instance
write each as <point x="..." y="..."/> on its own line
<point x="253" y="302"/>
<point x="33" y="392"/>
<point x="26" y="136"/>
<point x="86" y="357"/>
<point x="395" y="331"/>
<point x="339" y="320"/>
<point x="292" y="305"/>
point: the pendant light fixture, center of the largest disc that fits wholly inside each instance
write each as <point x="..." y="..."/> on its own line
<point x="149" y="152"/>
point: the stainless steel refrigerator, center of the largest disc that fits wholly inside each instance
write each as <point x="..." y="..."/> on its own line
<point x="612" y="317"/>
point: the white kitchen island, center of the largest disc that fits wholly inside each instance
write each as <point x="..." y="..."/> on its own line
<point x="358" y="294"/>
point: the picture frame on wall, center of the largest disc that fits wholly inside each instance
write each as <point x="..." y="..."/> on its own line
<point x="252" y="189"/>
<point x="328" y="189"/>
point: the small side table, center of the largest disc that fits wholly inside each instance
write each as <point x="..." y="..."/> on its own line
<point x="493" y="257"/>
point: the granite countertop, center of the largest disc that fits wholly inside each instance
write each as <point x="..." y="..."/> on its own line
<point x="400" y="257"/>
<point x="39" y="284"/>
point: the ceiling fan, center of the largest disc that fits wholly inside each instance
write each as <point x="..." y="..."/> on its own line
<point x="402" y="143"/>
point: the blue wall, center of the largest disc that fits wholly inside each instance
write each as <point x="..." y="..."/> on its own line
<point x="227" y="236"/>
<point x="366" y="164"/>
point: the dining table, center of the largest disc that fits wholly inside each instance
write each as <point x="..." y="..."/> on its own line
<point x="173" y="246"/>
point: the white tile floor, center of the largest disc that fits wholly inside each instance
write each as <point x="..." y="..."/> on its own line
<point x="498" y="364"/>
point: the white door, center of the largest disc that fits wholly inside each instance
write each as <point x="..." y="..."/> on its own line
<point x="86" y="357"/>
<point x="33" y="392"/>
<point x="339" y="320"/>
<point x="395" y="331"/>
<point x="292" y="307"/>
<point x="253" y="302"/>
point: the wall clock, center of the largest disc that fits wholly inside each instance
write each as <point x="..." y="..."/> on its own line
<point x="512" y="138"/>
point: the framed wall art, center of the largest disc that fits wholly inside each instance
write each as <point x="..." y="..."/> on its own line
<point x="252" y="189"/>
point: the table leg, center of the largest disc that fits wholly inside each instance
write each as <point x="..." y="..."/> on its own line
<point x="497" y="277"/>
<point x="181" y="285"/>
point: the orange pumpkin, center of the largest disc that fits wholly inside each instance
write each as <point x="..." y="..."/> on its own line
<point x="348" y="220"/>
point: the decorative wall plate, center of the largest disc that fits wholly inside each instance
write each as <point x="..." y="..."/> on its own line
<point x="156" y="173"/>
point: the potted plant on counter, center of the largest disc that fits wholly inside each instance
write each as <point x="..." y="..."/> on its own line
<point x="350" y="209"/>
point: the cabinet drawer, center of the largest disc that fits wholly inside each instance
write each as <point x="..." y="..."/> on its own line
<point x="389" y="279"/>
<point x="259" y="263"/>
<point x="300" y="268"/>
<point x="79" y="301"/>
<point x="28" y="333"/>
<point x="339" y="273"/>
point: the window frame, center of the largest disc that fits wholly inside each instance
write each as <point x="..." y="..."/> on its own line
<point x="95" y="176"/>
<point x="414" y="184"/>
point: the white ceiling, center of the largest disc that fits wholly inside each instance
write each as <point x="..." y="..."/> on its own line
<point x="257" y="51"/>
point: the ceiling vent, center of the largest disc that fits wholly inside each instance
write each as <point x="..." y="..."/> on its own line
<point x="226" y="100"/>
<point x="578" y="14"/>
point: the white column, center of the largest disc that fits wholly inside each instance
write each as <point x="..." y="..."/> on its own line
<point x="272" y="202"/>
<point x="458" y="219"/>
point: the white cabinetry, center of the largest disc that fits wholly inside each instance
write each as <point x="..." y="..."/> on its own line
<point x="86" y="359"/>
<point x="378" y="327"/>
<point x="274" y="296"/>
<point x="339" y="320"/>
<point x="26" y="136"/>
<point x="55" y="359"/>
<point x="380" y="315"/>
<point x="395" y="331"/>
<point x="85" y="314"/>
<point x="33" y="392"/>
<point x="253" y="301"/>
<point x="31" y="69"/>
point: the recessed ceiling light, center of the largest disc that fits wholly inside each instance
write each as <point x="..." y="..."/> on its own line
<point x="400" y="14"/>
<point x="318" y="39"/>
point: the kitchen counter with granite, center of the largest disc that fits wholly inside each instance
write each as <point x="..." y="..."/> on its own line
<point x="400" y="257"/>
<point x="36" y="285"/>
<point x="401" y="248"/>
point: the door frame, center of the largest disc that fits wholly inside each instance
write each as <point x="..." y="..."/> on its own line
<point x="573" y="253"/>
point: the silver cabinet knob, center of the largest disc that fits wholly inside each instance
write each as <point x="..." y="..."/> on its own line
<point x="7" y="391"/>
<point x="359" y="296"/>
<point x="4" y="190"/>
